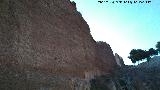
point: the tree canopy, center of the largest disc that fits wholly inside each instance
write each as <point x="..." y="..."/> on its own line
<point x="152" y="52"/>
<point x="139" y="54"/>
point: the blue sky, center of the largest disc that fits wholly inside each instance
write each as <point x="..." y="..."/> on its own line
<point x="124" y="26"/>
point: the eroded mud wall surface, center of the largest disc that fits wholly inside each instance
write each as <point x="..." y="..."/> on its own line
<point x="46" y="44"/>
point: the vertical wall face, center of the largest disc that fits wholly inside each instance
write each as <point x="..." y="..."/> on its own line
<point x="105" y="58"/>
<point x="46" y="34"/>
<point x="8" y="27"/>
<point x="49" y="36"/>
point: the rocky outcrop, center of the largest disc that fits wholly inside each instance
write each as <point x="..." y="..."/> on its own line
<point x="119" y="60"/>
<point x="142" y="77"/>
<point x="46" y="44"/>
<point x="145" y="76"/>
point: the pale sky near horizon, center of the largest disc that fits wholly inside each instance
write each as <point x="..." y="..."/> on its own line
<point x="124" y="26"/>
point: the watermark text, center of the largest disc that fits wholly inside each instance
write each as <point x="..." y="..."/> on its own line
<point x="121" y="2"/>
